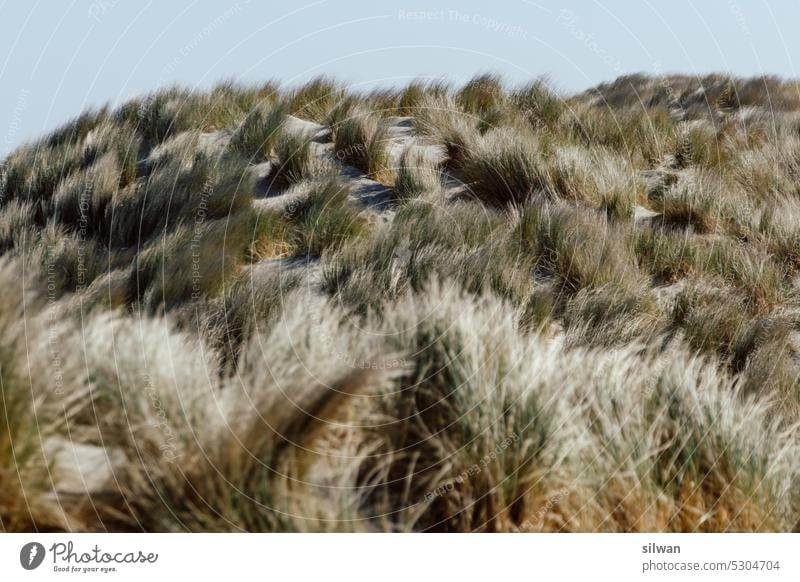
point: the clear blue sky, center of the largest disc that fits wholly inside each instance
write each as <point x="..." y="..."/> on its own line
<point x="60" y="57"/>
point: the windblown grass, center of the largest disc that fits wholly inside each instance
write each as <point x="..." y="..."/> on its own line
<point x="360" y="140"/>
<point x="326" y="219"/>
<point x="417" y="174"/>
<point x="258" y="133"/>
<point x="505" y="168"/>
<point x="554" y="314"/>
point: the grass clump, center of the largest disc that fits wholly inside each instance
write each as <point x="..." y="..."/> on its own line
<point x="690" y="203"/>
<point x="595" y="177"/>
<point x="360" y="140"/>
<point x="505" y="169"/>
<point x="414" y="95"/>
<point x="481" y="95"/>
<point x="579" y="249"/>
<point x="712" y="320"/>
<point x="271" y="236"/>
<point x="180" y="191"/>
<point x="190" y="264"/>
<point x="294" y="160"/>
<point x="417" y="175"/>
<point x="749" y="268"/>
<point x="668" y="255"/>
<point x="440" y="119"/>
<point x="157" y="117"/>
<point x="258" y="133"/>
<point x="327" y="219"/>
<point x="779" y="228"/>
<point x="316" y="99"/>
<point x="538" y="104"/>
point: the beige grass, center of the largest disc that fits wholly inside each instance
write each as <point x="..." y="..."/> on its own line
<point x="581" y="316"/>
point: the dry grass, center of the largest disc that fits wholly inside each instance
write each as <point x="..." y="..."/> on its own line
<point x="417" y="175"/>
<point x="316" y="99"/>
<point x="505" y="168"/>
<point x="582" y="317"/>
<point x="440" y="119"/>
<point x="258" y="133"/>
<point x="294" y="160"/>
<point x="326" y="219"/>
<point x="360" y="140"/>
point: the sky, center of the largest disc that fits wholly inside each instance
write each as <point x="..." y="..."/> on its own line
<point x="58" y="58"/>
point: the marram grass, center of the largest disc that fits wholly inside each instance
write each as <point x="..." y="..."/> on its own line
<point x="429" y="308"/>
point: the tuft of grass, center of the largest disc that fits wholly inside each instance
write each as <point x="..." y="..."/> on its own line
<point x="327" y="219"/>
<point x="481" y="94"/>
<point x="179" y="191"/>
<point x="668" y="255"/>
<point x="65" y="262"/>
<point x="190" y="264"/>
<point x="296" y="161"/>
<point x="247" y="308"/>
<point x="712" y="320"/>
<point x="361" y="140"/>
<point x="766" y="354"/>
<point x="454" y="226"/>
<point x="417" y="174"/>
<point x="579" y="249"/>
<point x="439" y="119"/>
<point x="427" y="242"/>
<point x="157" y="117"/>
<point x="256" y="136"/>
<point x="779" y="228"/>
<point x="749" y="268"/>
<point x="75" y="131"/>
<point x="341" y="112"/>
<point x="16" y="226"/>
<point x="538" y="104"/>
<point x="699" y="145"/>
<point x="612" y="315"/>
<point x="505" y="168"/>
<point x="644" y="137"/>
<point x="414" y="95"/>
<point x="226" y="106"/>
<point x="596" y="177"/>
<point x="33" y="173"/>
<point x="690" y="203"/>
<point x="271" y="236"/>
<point x="316" y="99"/>
<point x="81" y="200"/>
